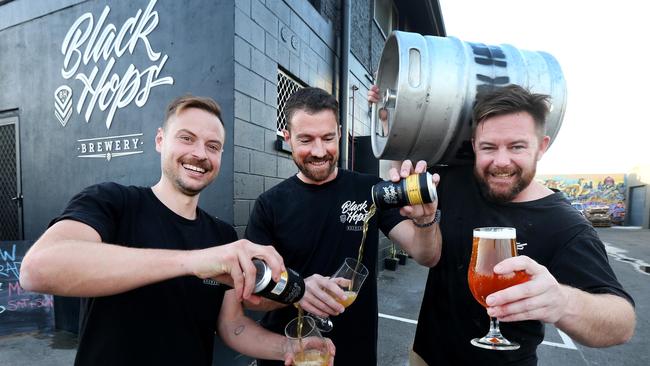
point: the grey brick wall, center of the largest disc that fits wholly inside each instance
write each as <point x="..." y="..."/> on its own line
<point x="377" y="41"/>
<point x="360" y="18"/>
<point x="295" y="36"/>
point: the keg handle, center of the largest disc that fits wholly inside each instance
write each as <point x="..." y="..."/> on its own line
<point x="389" y="98"/>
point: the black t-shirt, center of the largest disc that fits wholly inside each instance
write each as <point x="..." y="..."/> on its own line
<point x="549" y="231"/>
<point x="314" y="228"/>
<point x="172" y="322"/>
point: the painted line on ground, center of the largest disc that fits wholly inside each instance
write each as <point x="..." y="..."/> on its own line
<point x="567" y="342"/>
<point x="619" y="255"/>
<point x="392" y="317"/>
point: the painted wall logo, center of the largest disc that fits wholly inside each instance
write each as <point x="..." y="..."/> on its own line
<point x="91" y="49"/>
<point x="63" y="104"/>
<point x="110" y="147"/>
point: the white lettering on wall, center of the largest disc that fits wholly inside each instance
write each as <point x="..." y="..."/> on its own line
<point x="110" y="147"/>
<point x="93" y="43"/>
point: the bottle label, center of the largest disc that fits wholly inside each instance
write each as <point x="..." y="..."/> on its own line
<point x="279" y="287"/>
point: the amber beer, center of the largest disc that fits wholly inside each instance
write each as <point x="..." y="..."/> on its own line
<point x="488" y="249"/>
<point x="350" y="297"/>
<point x="311" y="358"/>
<point x="311" y="348"/>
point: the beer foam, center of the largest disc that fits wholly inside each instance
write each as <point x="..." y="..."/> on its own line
<point x="496" y="233"/>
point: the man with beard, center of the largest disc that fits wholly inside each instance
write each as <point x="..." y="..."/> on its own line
<point x="151" y="296"/>
<point x="315" y="218"/>
<point x="571" y="283"/>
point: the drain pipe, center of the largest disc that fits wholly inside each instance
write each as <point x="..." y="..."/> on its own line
<point x="343" y="82"/>
<point x="352" y="157"/>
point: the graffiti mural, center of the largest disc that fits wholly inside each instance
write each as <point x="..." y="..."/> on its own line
<point x="591" y="190"/>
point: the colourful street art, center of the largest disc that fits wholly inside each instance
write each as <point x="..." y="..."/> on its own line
<point x="591" y="190"/>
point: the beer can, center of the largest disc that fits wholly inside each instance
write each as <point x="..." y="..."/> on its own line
<point x="415" y="189"/>
<point x="288" y="290"/>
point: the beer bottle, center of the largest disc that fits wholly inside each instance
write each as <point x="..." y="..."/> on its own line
<point x="415" y="189"/>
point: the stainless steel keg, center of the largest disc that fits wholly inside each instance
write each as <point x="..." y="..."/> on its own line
<point x="429" y="84"/>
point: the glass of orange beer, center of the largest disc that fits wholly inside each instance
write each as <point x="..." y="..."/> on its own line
<point x="349" y="277"/>
<point x="490" y="246"/>
<point x="308" y="346"/>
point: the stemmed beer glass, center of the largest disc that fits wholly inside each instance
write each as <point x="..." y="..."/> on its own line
<point x="490" y="246"/>
<point x="308" y="346"/>
<point x="349" y="277"/>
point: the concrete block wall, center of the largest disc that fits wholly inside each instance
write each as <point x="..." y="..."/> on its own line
<point x="272" y="34"/>
<point x="291" y="35"/>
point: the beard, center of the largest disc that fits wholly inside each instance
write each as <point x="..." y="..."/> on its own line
<point x="500" y="192"/>
<point x="183" y="186"/>
<point x="316" y="174"/>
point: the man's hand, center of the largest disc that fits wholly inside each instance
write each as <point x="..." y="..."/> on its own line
<point x="541" y="298"/>
<point x="232" y="264"/>
<point x="318" y="298"/>
<point x="374" y="94"/>
<point x="422" y="213"/>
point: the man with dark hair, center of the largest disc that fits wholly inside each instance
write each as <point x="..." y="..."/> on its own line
<point x="315" y="218"/>
<point x="146" y="259"/>
<point x="571" y="282"/>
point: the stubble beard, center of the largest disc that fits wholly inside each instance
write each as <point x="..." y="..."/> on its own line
<point x="181" y="185"/>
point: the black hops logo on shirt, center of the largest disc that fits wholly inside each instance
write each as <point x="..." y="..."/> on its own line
<point x="354" y="213"/>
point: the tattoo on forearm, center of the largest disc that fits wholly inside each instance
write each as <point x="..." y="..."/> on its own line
<point x="240" y="329"/>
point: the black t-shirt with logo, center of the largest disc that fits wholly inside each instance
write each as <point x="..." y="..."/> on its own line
<point x="314" y="228"/>
<point x="172" y="322"/>
<point x="549" y="231"/>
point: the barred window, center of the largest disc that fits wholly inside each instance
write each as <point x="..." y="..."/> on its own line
<point x="287" y="85"/>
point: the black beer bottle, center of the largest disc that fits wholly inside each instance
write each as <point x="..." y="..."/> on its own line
<point x="415" y="189"/>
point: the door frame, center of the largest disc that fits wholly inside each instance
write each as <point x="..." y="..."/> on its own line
<point x="7" y="118"/>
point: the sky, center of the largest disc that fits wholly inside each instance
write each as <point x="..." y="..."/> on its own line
<point x="603" y="49"/>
